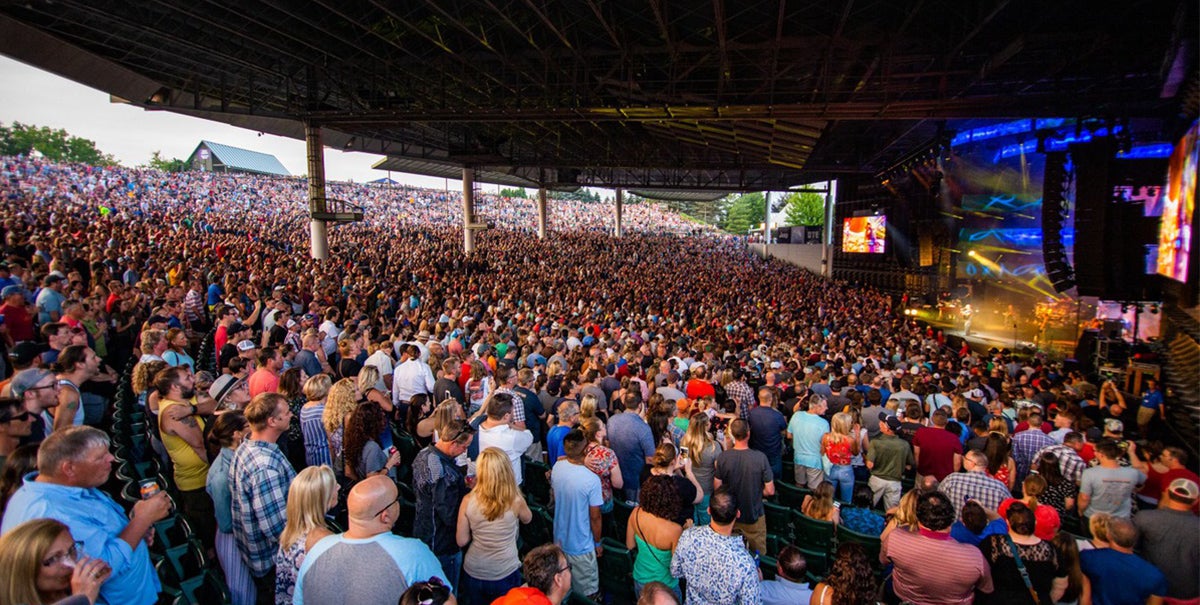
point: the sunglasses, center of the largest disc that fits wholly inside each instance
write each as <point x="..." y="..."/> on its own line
<point x="384" y="509"/>
<point x="467" y="429"/>
<point x="22" y="417"/>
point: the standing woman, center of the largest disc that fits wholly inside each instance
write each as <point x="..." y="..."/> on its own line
<point x="420" y="408"/>
<point x="316" y="442"/>
<point x="291" y="386"/>
<point x="368" y="380"/>
<point x="840" y="445"/>
<point x="488" y="523"/>
<point x="176" y="353"/>
<point x="702" y="450"/>
<point x="669" y="465"/>
<point x="228" y="431"/>
<point x="363" y="454"/>
<point x="43" y="563"/>
<point x="600" y="459"/>
<point x="347" y="365"/>
<point x="342" y="400"/>
<point x="1060" y="492"/>
<point x="1001" y="465"/>
<point x="478" y="387"/>
<point x="1079" y="588"/>
<point x="1047" y="576"/>
<point x="313" y="492"/>
<point x="654" y="530"/>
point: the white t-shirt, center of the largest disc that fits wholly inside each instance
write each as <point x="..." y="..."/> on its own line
<point x="331" y="334"/>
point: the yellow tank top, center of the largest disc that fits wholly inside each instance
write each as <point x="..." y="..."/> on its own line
<point x="190" y="470"/>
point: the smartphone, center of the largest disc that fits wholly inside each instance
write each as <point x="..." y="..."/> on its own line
<point x="683" y="451"/>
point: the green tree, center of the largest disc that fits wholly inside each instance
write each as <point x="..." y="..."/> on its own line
<point x="744" y="212"/>
<point x="518" y="192"/>
<point x="53" y="144"/>
<point x="804" y="208"/>
<point x="172" y="165"/>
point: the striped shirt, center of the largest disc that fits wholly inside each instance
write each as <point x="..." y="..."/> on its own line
<point x="933" y="569"/>
<point x="316" y="442"/>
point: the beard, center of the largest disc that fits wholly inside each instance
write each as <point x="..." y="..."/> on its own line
<point x="188" y="394"/>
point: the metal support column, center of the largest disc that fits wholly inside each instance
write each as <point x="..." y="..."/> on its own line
<point x="468" y="201"/>
<point x="827" y="232"/>
<point x="766" y="234"/>
<point x="318" y="231"/>
<point x="541" y="213"/>
<point x="617" y="223"/>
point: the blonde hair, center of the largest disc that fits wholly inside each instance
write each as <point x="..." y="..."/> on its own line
<point x="495" y="484"/>
<point x="906" y="512"/>
<point x="587" y="406"/>
<point x="998" y="425"/>
<point x="308" y="499"/>
<point x="696" y="439"/>
<point x="367" y="377"/>
<point x="22" y="550"/>
<point x="821" y="505"/>
<point x="317" y="387"/>
<point x="143" y="375"/>
<point x="340" y="403"/>
<point x="443" y="414"/>
<point x="841" y="424"/>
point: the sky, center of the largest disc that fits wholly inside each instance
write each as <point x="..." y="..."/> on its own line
<point x="32" y="96"/>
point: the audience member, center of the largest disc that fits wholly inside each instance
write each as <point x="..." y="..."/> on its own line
<point x="1117" y="575"/>
<point x="747" y="474"/>
<point x="715" y="562"/>
<point x="488" y="528"/>
<point x="577" y="503"/>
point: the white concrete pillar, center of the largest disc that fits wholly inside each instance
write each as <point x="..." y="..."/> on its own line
<point x="318" y="231"/>
<point x="541" y="213"/>
<point x="617" y="221"/>
<point x="468" y="201"/>
<point x="766" y="224"/>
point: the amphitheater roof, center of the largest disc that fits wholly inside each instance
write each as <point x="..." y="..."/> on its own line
<point x="699" y="96"/>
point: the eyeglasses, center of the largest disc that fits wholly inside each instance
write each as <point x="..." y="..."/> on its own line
<point x="566" y="567"/>
<point x="68" y="558"/>
<point x="47" y="386"/>
<point x="22" y="417"/>
<point x="384" y="509"/>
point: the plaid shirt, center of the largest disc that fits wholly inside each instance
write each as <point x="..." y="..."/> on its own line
<point x="259" y="478"/>
<point x="967" y="485"/>
<point x="740" y="392"/>
<point x="1025" y="445"/>
<point x="1069" y="462"/>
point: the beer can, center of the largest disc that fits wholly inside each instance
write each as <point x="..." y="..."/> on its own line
<point x="149" y="488"/>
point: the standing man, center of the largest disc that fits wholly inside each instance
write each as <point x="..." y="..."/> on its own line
<point x="50" y="299"/>
<point x="805" y="430"/>
<point x="439" y="487"/>
<point x="496" y="431"/>
<point x="1027" y="443"/>
<point x="937" y="451"/>
<point x="1170" y="539"/>
<point x="747" y="474"/>
<point x="38" y="391"/>
<point x="714" y="562"/>
<point x="1151" y="406"/>
<point x="16" y="314"/>
<point x="368" y="564"/>
<point x="259" y="477"/>
<point x="183" y="437"/>
<point x="767" y="427"/>
<point x="72" y="465"/>
<point x="547" y="576"/>
<point x="888" y="457"/>
<point x="411" y="377"/>
<point x="1117" y="575"/>
<point x="1107" y="488"/>
<point x="266" y="378"/>
<point x="929" y="566"/>
<point x="77" y="364"/>
<point x="974" y="484"/>
<point x="632" y="440"/>
<point x="740" y="392"/>
<point x="577" y="502"/>
<point x="446" y="386"/>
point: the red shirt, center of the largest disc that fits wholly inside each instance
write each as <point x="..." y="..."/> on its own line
<point x="263" y="381"/>
<point x="18" y="320"/>
<point x="1157" y="482"/>
<point x="700" y="388"/>
<point x="938" y="447"/>
<point x="220" y="337"/>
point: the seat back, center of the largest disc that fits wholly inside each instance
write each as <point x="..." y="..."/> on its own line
<point x="539" y="530"/>
<point x="779" y="521"/>
<point x="536" y="483"/>
<point x="871" y="544"/>
<point x="790" y="495"/>
<point x="616" y="572"/>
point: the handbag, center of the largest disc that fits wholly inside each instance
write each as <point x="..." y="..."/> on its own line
<point x="1021" y="568"/>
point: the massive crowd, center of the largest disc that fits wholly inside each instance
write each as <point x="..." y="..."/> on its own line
<point x="662" y="417"/>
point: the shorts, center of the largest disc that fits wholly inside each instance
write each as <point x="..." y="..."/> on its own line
<point x="585" y="573"/>
<point x="1145" y="415"/>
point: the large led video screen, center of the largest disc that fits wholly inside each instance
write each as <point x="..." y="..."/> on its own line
<point x="864" y="234"/>
<point x="1178" y="207"/>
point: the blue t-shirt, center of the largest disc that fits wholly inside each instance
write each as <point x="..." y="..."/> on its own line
<point x="766" y="432"/>
<point x="1119" y="578"/>
<point x="632" y="440"/>
<point x="554" y="442"/>
<point x="576" y="490"/>
<point x="806" y="430"/>
<point x="1152" y="399"/>
<point x="961" y="534"/>
<point x="214" y="294"/>
<point x="49" y="301"/>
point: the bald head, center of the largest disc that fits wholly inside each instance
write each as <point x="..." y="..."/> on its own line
<point x="370" y="505"/>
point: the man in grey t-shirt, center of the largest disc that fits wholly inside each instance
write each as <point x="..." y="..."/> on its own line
<point x="367" y="565"/>
<point x="1109" y="488"/>
<point x="1169" y="538"/>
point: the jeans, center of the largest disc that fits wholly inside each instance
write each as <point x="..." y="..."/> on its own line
<point x="483" y="592"/>
<point x="451" y="564"/>
<point x="777" y="468"/>
<point x="842" y="478"/>
<point x="701" y="512"/>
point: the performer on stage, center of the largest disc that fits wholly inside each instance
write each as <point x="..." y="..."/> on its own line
<point x="968" y="314"/>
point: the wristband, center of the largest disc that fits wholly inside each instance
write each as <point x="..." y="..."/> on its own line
<point x="195" y="411"/>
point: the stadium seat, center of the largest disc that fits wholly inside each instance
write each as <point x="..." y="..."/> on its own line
<point x="621" y="512"/>
<point x="205" y="589"/>
<point x="789" y="495"/>
<point x="536" y="485"/>
<point x="871" y="543"/>
<point x="180" y="563"/>
<point x="616" y="572"/>
<point x="767" y="565"/>
<point x="775" y="544"/>
<point x="818" y="563"/>
<point x="539" y="530"/>
<point x="172" y="532"/>
<point x="779" y="520"/>
<point x="408" y="447"/>
<point x="812" y="534"/>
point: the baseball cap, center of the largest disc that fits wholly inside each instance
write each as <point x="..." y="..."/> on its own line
<point x="683" y="404"/>
<point x="12" y="290"/>
<point x="25" y="353"/>
<point x="310" y="317"/>
<point x="1184" y="488"/>
<point x="221" y="387"/>
<point x="246" y="345"/>
<point x="892" y="422"/>
<point x="235" y="327"/>
<point x="1113" y="425"/>
<point x="975" y="394"/>
<point x="27" y="380"/>
<point x="51" y="279"/>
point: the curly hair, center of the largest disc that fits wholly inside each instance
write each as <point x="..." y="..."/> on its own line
<point x="851" y="577"/>
<point x="365" y="424"/>
<point x="143" y="375"/>
<point x="660" y="497"/>
<point x="340" y="403"/>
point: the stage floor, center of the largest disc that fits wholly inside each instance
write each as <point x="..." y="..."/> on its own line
<point x="1058" y="342"/>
